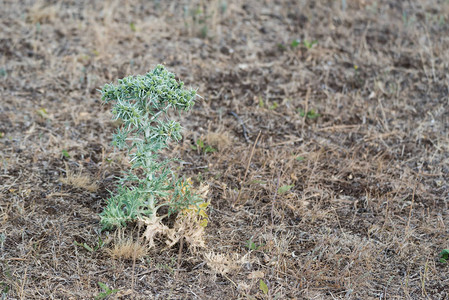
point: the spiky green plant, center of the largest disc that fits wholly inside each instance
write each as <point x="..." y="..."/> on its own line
<point x="142" y="103"/>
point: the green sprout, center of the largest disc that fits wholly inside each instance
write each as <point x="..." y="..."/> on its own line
<point x="311" y="114"/>
<point x="309" y="44"/>
<point x="106" y="291"/>
<point x="444" y="256"/>
<point x="201" y="147"/>
<point x="98" y="246"/>
<point x="253" y="246"/>
<point x="294" y="44"/>
<point x="65" y="153"/>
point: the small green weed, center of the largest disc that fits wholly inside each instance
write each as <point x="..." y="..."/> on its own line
<point x="201" y="147"/>
<point x="444" y="256"/>
<point x="294" y="44"/>
<point x="253" y="246"/>
<point x="309" y="44"/>
<point x="261" y="102"/>
<point x="311" y="114"/>
<point x="132" y="26"/>
<point x="65" y="153"/>
<point x="98" y="246"/>
<point x="4" y="287"/>
<point x="106" y="291"/>
<point x="42" y="112"/>
<point x="274" y="105"/>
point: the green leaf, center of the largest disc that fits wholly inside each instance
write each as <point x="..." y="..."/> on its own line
<point x="274" y="105"/>
<point x="444" y="256"/>
<point x="200" y="143"/>
<point x="107" y="291"/>
<point x="311" y="114"/>
<point x="261" y="103"/>
<point x="65" y="153"/>
<point x="308" y="44"/>
<point x="300" y="158"/>
<point x="251" y="245"/>
<point x="284" y="189"/>
<point x="294" y="44"/>
<point x="209" y="149"/>
<point x="103" y="286"/>
<point x="43" y="113"/>
<point x="85" y="246"/>
<point x="263" y="287"/>
<point x="132" y="26"/>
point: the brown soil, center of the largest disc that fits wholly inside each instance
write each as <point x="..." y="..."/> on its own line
<point x="366" y="214"/>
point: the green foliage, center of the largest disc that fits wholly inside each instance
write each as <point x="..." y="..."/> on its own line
<point x="4" y="287"/>
<point x="444" y="256"/>
<point x="274" y="105"/>
<point x="311" y="114"/>
<point x="42" y="112"/>
<point x="294" y="44"/>
<point x="261" y="103"/>
<point x="309" y="44"/>
<point x="252" y="246"/>
<point x="132" y="26"/>
<point x="263" y="287"/>
<point x="65" y="153"/>
<point x="284" y="189"/>
<point x="201" y="147"/>
<point x="106" y="291"/>
<point x="99" y="245"/>
<point x="142" y="104"/>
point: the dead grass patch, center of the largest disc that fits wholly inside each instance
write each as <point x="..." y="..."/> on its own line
<point x="79" y="180"/>
<point x="218" y="140"/>
<point x="126" y="247"/>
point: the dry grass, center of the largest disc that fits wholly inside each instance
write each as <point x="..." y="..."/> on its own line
<point x="126" y="247"/>
<point x="79" y="180"/>
<point x="344" y="194"/>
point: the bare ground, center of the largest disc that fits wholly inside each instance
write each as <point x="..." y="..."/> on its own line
<point x="345" y="195"/>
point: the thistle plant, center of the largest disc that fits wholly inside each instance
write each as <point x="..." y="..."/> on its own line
<point x="142" y="103"/>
